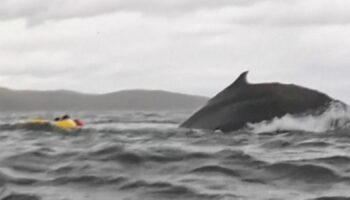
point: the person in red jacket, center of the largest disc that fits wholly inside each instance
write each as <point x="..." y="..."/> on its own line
<point x="79" y="122"/>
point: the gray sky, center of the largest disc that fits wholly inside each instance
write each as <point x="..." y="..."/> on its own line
<point x="189" y="46"/>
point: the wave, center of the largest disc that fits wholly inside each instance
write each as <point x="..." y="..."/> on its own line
<point x="332" y="198"/>
<point x="17" y="196"/>
<point x="118" y="153"/>
<point x="140" y="117"/>
<point x="216" y="169"/>
<point x="335" y="160"/>
<point x="239" y="158"/>
<point x="167" y="190"/>
<point x="336" y="116"/>
<point x="90" y="180"/>
<point x="313" y="144"/>
<point x="35" y="161"/>
<point x="309" y="173"/>
<point x="132" y="185"/>
<point x="4" y="179"/>
<point x="132" y="121"/>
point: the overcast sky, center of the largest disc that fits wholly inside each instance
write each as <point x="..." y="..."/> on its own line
<point x="188" y="46"/>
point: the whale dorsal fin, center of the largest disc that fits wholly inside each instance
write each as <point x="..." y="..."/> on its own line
<point x="241" y="80"/>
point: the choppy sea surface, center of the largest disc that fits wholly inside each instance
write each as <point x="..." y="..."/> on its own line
<point x="144" y="155"/>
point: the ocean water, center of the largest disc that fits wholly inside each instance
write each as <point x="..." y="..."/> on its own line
<point x="144" y="155"/>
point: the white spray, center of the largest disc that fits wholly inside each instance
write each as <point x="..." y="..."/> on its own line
<point x="337" y="116"/>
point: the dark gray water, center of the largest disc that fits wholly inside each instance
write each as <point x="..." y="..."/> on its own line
<point x="143" y="155"/>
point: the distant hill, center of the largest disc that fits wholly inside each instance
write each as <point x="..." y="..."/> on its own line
<point x="61" y="100"/>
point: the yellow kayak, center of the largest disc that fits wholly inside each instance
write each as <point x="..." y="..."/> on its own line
<point x="38" y="121"/>
<point x="67" y="124"/>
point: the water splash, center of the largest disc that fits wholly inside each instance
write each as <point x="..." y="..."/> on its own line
<point x="337" y="116"/>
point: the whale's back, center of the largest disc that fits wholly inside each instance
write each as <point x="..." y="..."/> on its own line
<point x="243" y="103"/>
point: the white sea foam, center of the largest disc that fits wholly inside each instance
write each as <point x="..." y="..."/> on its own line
<point x="337" y="116"/>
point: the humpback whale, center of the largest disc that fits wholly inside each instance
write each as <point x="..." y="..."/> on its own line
<point x="242" y="102"/>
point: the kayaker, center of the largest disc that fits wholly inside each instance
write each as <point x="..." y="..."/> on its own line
<point x="65" y="117"/>
<point x="78" y="122"/>
<point x="66" y="123"/>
